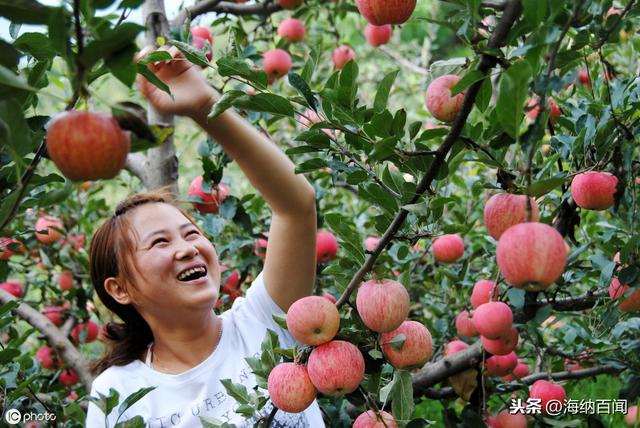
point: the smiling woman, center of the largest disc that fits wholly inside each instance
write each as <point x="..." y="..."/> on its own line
<point x="153" y="267"/>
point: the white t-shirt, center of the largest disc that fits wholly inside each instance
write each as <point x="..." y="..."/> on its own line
<point x="179" y="400"/>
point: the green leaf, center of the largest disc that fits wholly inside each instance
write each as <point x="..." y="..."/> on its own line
<point x="231" y="66"/>
<point x="398" y="341"/>
<point x="467" y="80"/>
<point x="384" y="89"/>
<point x="375" y="354"/>
<point x="155" y="57"/>
<point x="535" y="11"/>
<point x="280" y="319"/>
<point x="153" y="79"/>
<point x="135" y="422"/>
<point x="35" y="44"/>
<point x="8" y="78"/>
<point x="224" y="103"/>
<point x="347" y="84"/>
<point x="543" y="187"/>
<point x="24" y="11"/>
<point x="516" y="297"/>
<point x="8" y="354"/>
<point x="58" y="34"/>
<point x="8" y="307"/>
<point x="484" y="95"/>
<point x="514" y="84"/>
<point x="237" y="391"/>
<point x="134" y="398"/>
<point x="122" y="66"/>
<point x="191" y="53"/>
<point x="402" y="395"/>
<point x="301" y="85"/>
<point x="266" y="103"/>
<point x="309" y="165"/>
<point x="111" y="43"/>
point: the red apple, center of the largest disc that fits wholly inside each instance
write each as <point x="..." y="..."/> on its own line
<point x="448" y="248"/>
<point x="371" y="243"/>
<point x="378" y="35"/>
<point x="292" y="29"/>
<point x="503" y="345"/>
<point x="547" y="391"/>
<point x="87" y="145"/>
<point x="382" y="304"/>
<point x="276" y="63"/>
<point x="493" y="320"/>
<point x="534" y="109"/>
<point x="631" y="418"/>
<point x="531" y="255"/>
<point x="68" y="377"/>
<point x="8" y="247"/>
<point x="326" y="246"/>
<point x="594" y="190"/>
<point x="210" y="201"/>
<point x="454" y="346"/>
<point x="290" y="4"/>
<point x="53" y="226"/>
<point x="482" y="292"/>
<point x="369" y="419"/>
<point x="85" y="332"/>
<point x="77" y="241"/>
<point x="583" y="77"/>
<point x="465" y="326"/>
<point x="336" y="368"/>
<point x="290" y="388"/>
<point x="232" y="283"/>
<point x="13" y="287"/>
<point x="200" y="36"/>
<point x="65" y="280"/>
<point x="342" y="55"/>
<point x="508" y="420"/>
<point x="55" y="314"/>
<point x="313" y="320"/>
<point x="631" y="303"/>
<point x="47" y="358"/>
<point x="500" y="365"/>
<point x="381" y="12"/>
<point x="439" y="101"/>
<point x="504" y="210"/>
<point x="416" y="349"/>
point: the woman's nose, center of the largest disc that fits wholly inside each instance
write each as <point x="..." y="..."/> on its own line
<point x="186" y="250"/>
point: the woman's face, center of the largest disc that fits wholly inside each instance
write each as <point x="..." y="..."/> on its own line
<point x="177" y="267"/>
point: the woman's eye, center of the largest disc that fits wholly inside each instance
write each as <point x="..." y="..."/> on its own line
<point x="193" y="232"/>
<point x="159" y="240"/>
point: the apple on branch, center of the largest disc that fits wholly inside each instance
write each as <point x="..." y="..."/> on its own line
<point x="370" y="419"/>
<point x="313" y="320"/>
<point x="342" y="55"/>
<point x="381" y="12"/>
<point x="292" y="29"/>
<point x="382" y="304"/>
<point x="336" y="368"/>
<point x="290" y="388"/>
<point x="439" y="101"/>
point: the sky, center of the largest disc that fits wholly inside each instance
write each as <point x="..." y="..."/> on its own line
<point x="171" y="8"/>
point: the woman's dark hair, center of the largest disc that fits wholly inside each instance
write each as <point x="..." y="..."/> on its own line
<point x="110" y="256"/>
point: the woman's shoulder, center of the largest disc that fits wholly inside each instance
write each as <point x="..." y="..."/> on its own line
<point x="117" y="376"/>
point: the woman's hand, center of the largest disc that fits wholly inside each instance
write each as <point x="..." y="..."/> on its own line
<point x="192" y="96"/>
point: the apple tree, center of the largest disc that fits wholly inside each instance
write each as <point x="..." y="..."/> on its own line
<point x="476" y="171"/>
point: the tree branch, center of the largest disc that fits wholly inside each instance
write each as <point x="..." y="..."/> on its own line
<point x="218" y="6"/>
<point x="70" y="355"/>
<point x="135" y="165"/>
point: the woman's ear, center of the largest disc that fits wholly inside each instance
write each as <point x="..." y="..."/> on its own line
<point x="116" y="289"/>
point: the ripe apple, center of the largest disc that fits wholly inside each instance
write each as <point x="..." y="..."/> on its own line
<point x="482" y="292"/>
<point x="292" y="29"/>
<point x="371" y="243"/>
<point x="330" y="297"/>
<point x="448" y="248"/>
<point x="342" y="55"/>
<point x="290" y="4"/>
<point x="77" y="241"/>
<point x="276" y="63"/>
<point x="534" y="109"/>
<point x="416" y="349"/>
<point x="502" y="346"/>
<point x="504" y="210"/>
<point x="55" y="314"/>
<point x="13" y="287"/>
<point x="382" y="304"/>
<point x="521" y="370"/>
<point x="326" y="246"/>
<point x="87" y="145"/>
<point x="210" y="201"/>
<point x="531" y="255"/>
<point x="594" y="190"/>
<point x="378" y="35"/>
<point x="68" y="377"/>
<point x="381" y="12"/>
<point x="500" y="365"/>
<point x="465" y="326"/>
<point x="631" y="303"/>
<point x="631" y="418"/>
<point x="65" y="280"/>
<point x="505" y="419"/>
<point x="454" y="346"/>
<point x="52" y="225"/>
<point x="85" y="332"/>
<point x="547" y="391"/>
<point x="493" y="320"/>
<point x="336" y="368"/>
<point x="313" y="320"/>
<point x="290" y="387"/>
<point x="369" y="419"/>
<point x="47" y="358"/>
<point x="583" y="77"/>
<point x="439" y="101"/>
<point x="200" y="36"/>
<point x="8" y="247"/>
